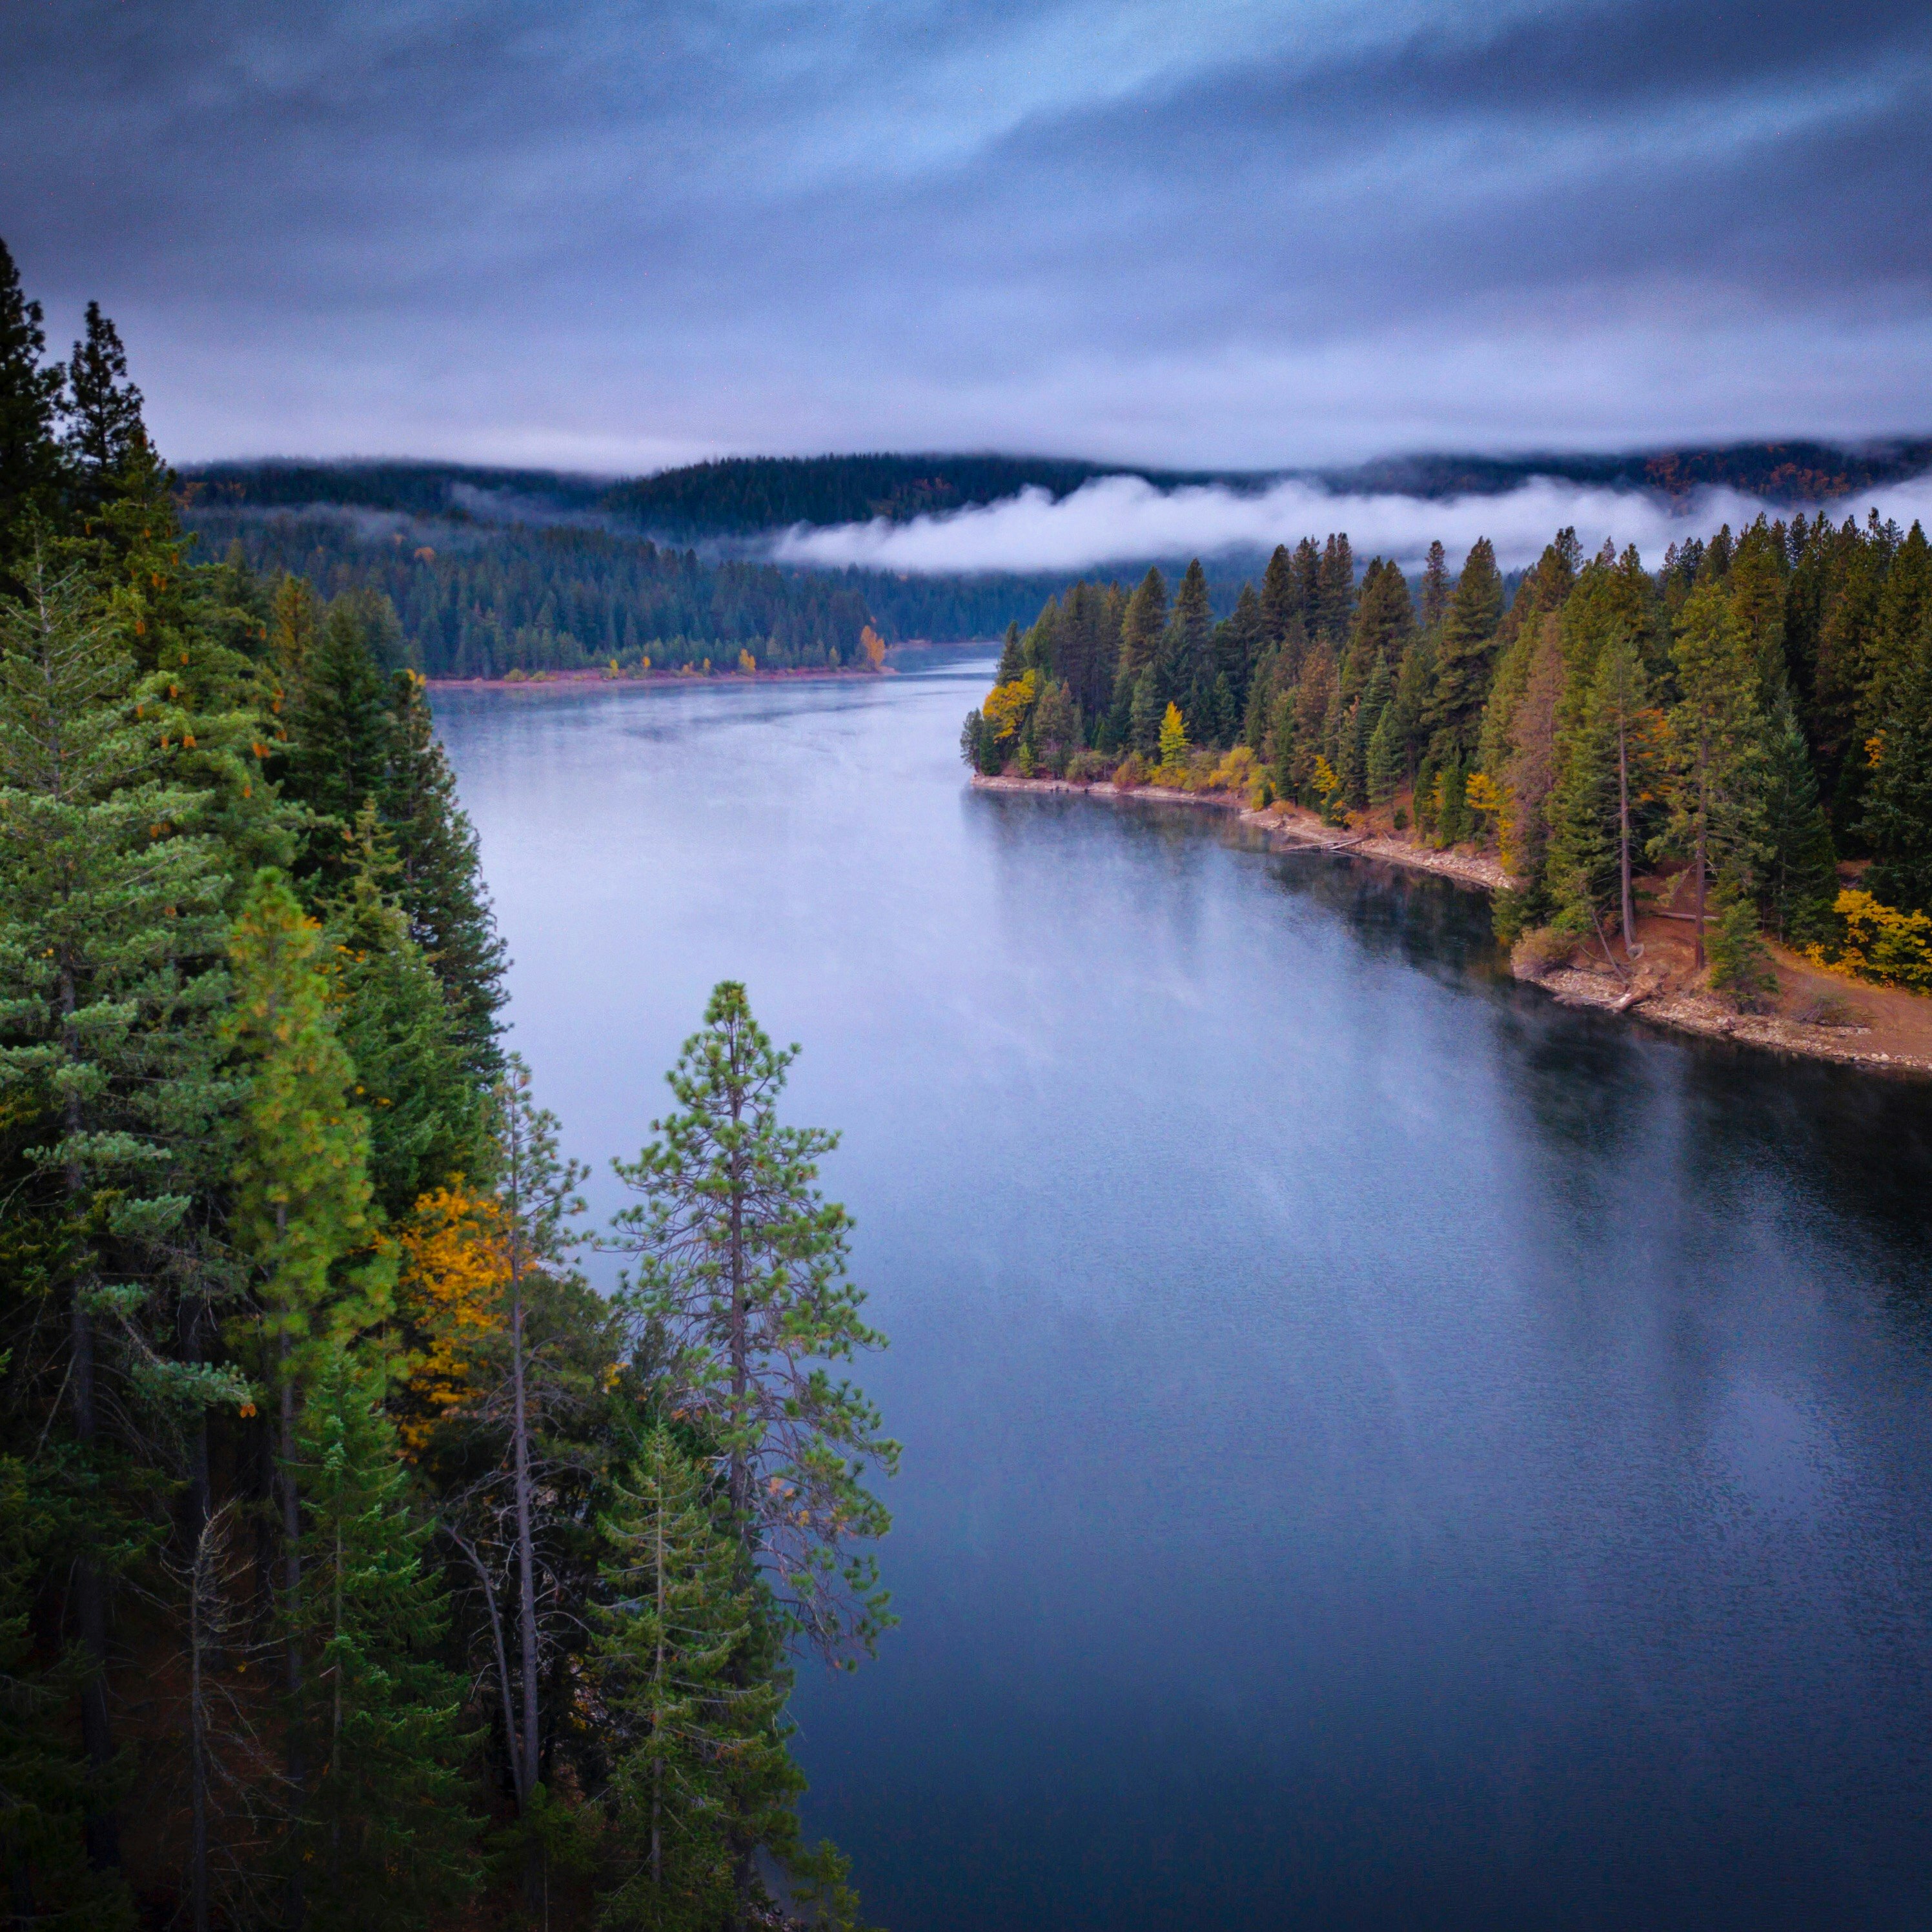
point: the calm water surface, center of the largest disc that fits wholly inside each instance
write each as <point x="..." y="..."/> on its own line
<point x="1381" y="1451"/>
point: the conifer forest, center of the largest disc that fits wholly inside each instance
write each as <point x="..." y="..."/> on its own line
<point x="360" y="1565"/>
<point x="1751" y="718"/>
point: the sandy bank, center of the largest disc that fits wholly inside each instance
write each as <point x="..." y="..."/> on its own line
<point x="1878" y="1028"/>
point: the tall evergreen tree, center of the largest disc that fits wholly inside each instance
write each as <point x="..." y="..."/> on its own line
<point x="342" y="733"/>
<point x="31" y="471"/>
<point x="700" y="1765"/>
<point x="1466" y="648"/>
<point x="1717" y="736"/>
<point x="302" y="1210"/>
<point x="439" y="881"/>
<point x="110" y="906"/>
<point x="1335" y="592"/>
<point x="1897" y="818"/>
<point x="1280" y="599"/>
<point x="384" y="1829"/>
<point x="1435" y="586"/>
<point x="104" y="430"/>
<point x="1798" y="881"/>
<point x="741" y="1263"/>
<point x="1143" y="626"/>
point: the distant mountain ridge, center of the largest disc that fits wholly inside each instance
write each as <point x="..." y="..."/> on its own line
<point x="740" y="497"/>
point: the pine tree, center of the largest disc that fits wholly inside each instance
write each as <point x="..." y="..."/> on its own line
<point x="1280" y="601"/>
<point x="1717" y="735"/>
<point x="104" y="430"/>
<point x="414" y="1083"/>
<point x="1193" y="625"/>
<point x="1334" y="607"/>
<point x="302" y="1208"/>
<point x="1173" y="739"/>
<point x="1897" y="818"/>
<point x="1143" y="627"/>
<point x="1596" y="810"/>
<point x="342" y="734"/>
<point x="31" y="471"/>
<point x="699" y="1764"/>
<point x="1144" y="715"/>
<point x="109" y="893"/>
<point x="1013" y="657"/>
<point x="440" y="882"/>
<point x="1798" y="881"/>
<point x="1435" y="586"/>
<point x="1466" y="647"/>
<point x="385" y="1830"/>
<point x="741" y="1264"/>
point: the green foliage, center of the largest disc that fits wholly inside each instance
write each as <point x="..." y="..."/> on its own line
<point x="699" y="1770"/>
<point x="47" y="1786"/>
<point x="303" y="1203"/>
<point x="439" y="876"/>
<point x="385" y="1832"/>
<point x="740" y="1267"/>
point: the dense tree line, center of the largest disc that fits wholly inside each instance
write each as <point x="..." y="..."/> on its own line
<point x="476" y="599"/>
<point x="359" y="1565"/>
<point x="1745" y="716"/>
<point x="480" y="600"/>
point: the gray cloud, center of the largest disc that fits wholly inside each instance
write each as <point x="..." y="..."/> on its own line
<point x="610" y="235"/>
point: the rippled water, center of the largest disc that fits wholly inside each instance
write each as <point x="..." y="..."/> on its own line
<point x="1382" y="1450"/>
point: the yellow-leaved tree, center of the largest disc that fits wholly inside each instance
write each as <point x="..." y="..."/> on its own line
<point x="450" y="1298"/>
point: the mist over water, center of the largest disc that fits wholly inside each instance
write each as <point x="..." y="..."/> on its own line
<point x="1382" y="1450"/>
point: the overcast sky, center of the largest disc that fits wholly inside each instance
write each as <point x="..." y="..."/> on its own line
<point x="1214" y="232"/>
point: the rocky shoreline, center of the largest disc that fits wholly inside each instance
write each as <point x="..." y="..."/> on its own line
<point x="1658" y="989"/>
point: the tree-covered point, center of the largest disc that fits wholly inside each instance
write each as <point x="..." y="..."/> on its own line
<point x="1754" y="710"/>
<point x="361" y="1566"/>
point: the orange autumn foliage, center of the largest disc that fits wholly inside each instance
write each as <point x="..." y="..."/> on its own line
<point x="450" y="1297"/>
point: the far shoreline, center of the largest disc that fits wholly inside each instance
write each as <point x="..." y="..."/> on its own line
<point x="551" y="680"/>
<point x="1652" y="992"/>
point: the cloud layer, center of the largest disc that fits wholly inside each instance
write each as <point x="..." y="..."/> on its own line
<point x="1252" y="233"/>
<point x="1116" y="519"/>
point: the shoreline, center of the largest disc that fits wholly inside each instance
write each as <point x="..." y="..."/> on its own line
<point x="1650" y="995"/>
<point x="549" y="680"/>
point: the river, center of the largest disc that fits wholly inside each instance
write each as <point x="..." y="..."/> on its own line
<point x="1382" y="1450"/>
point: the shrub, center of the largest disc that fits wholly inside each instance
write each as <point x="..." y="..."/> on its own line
<point x="1130" y="772"/>
<point x="1740" y="966"/>
<point x="1399" y="819"/>
<point x="516" y="674"/>
<point x="1829" y="1009"/>
<point x="1881" y="943"/>
<point x="1539" y="951"/>
<point x="1234" y="773"/>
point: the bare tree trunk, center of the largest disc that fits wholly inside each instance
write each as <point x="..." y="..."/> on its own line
<point x="298" y="1769"/>
<point x="1703" y="817"/>
<point x="201" y="1643"/>
<point x="741" y="1473"/>
<point x="1624" y="835"/>
<point x="510" y="1742"/>
<point x="657" y="1709"/>
<point x="535" y="1888"/>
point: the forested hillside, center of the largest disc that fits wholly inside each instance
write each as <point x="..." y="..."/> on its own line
<point x="1752" y="710"/>
<point x="360" y="1566"/>
<point x="475" y="601"/>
